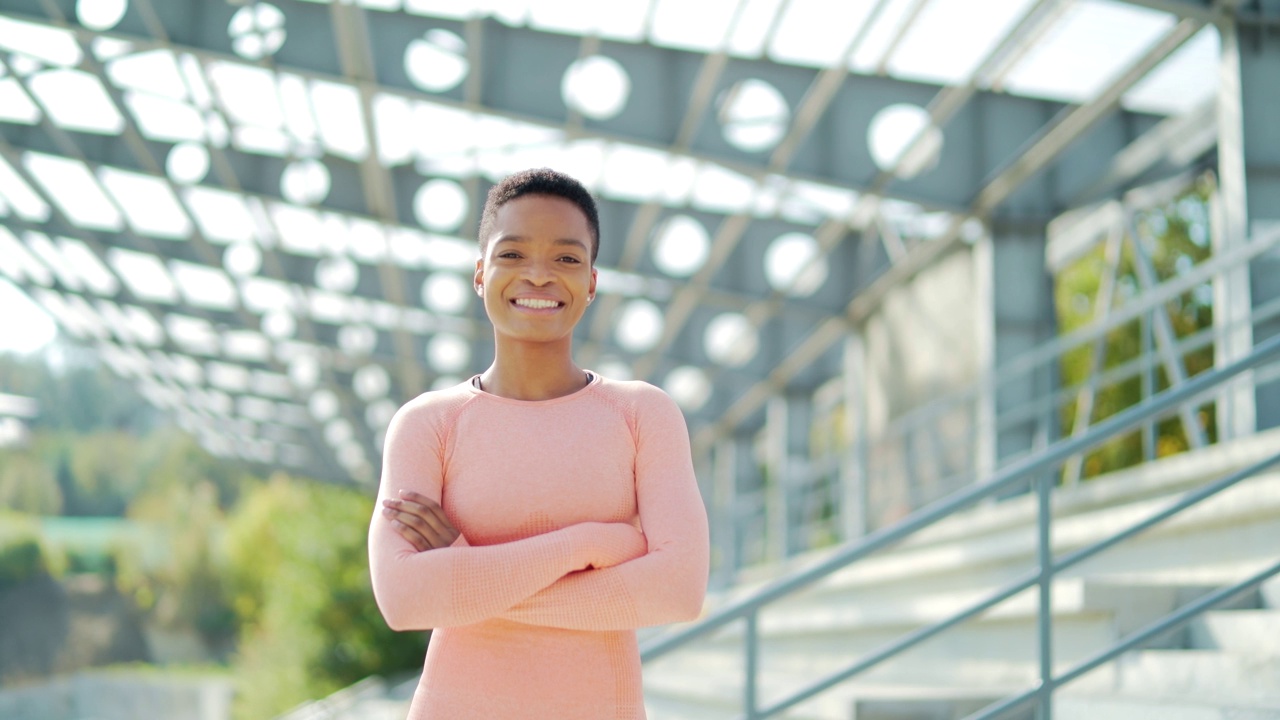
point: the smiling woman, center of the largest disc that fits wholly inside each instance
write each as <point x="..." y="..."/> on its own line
<point x="538" y="513"/>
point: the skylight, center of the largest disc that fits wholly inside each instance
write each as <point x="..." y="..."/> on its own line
<point x="949" y="40"/>
<point x="75" y="191"/>
<point x="161" y="118"/>
<point x="691" y="26"/>
<point x="42" y="247"/>
<point x="222" y="216"/>
<point x="1184" y="80"/>
<point x="337" y="109"/>
<point x="20" y="265"/>
<point x="144" y="274"/>
<point x="41" y="42"/>
<point x="149" y="205"/>
<point x="76" y="100"/>
<point x="85" y="263"/>
<point x="204" y="286"/>
<point x="154" y="71"/>
<point x="21" y="197"/>
<point x="15" y="105"/>
<point x="817" y="32"/>
<point x="1086" y="49"/>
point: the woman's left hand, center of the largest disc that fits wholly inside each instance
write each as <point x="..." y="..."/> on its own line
<point x="420" y="520"/>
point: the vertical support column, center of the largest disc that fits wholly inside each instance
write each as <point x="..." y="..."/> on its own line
<point x="1249" y="177"/>
<point x="1023" y="318"/>
<point x="787" y="421"/>
<point x="1232" y="304"/>
<point x="984" y="410"/>
<point x="854" y="495"/>
<point x="726" y="558"/>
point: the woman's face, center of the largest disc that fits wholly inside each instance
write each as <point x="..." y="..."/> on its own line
<point x="536" y="276"/>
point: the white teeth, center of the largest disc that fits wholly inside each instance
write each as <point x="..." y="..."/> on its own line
<point x="536" y="303"/>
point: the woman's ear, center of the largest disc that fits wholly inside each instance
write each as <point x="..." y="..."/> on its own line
<point x="591" y="289"/>
<point x="477" y="281"/>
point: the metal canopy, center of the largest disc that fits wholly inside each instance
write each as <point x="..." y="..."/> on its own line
<point x="264" y="213"/>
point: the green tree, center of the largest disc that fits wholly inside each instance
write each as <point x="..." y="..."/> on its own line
<point x="299" y="582"/>
<point x="1176" y="238"/>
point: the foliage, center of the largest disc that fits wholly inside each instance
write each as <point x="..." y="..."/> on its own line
<point x="75" y="392"/>
<point x="1175" y="238"/>
<point x="22" y="554"/>
<point x="272" y="574"/>
<point x="299" y="584"/>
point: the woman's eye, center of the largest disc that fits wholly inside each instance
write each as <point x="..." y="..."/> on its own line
<point x="570" y="259"/>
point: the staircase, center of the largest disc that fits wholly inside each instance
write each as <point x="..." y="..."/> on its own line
<point x="1224" y="664"/>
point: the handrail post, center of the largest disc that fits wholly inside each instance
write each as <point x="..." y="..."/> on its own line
<point x="1044" y="616"/>
<point x="750" y="705"/>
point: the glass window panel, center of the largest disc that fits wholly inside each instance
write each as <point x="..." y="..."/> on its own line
<point x="148" y="203"/>
<point x="75" y="191"/>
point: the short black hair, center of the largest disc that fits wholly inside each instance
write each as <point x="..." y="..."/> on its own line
<point x="541" y="181"/>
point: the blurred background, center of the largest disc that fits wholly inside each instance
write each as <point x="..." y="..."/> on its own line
<point x="877" y="250"/>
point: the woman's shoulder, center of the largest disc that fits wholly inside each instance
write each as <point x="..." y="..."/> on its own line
<point x="638" y="394"/>
<point x="435" y="406"/>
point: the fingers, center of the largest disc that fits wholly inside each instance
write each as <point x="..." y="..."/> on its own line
<point x="420" y="520"/>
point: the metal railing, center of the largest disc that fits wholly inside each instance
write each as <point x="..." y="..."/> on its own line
<point x="1037" y="468"/>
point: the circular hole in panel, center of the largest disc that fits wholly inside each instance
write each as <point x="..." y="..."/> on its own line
<point x="446" y="292"/>
<point x="351" y="456"/>
<point x="596" y="86"/>
<point x="305" y="182"/>
<point x="379" y="413"/>
<point x="242" y="259"/>
<point x="891" y="132"/>
<point x="639" y="326"/>
<point x="323" y="404"/>
<point x="101" y="14"/>
<point x="615" y="369"/>
<point x="337" y="274"/>
<point x="792" y="265"/>
<point x="753" y="115"/>
<point x="257" y="30"/>
<point x="304" y="371"/>
<point x="371" y="382"/>
<point x="187" y="163"/>
<point x="448" y="353"/>
<point x="689" y="387"/>
<point x="437" y="61"/>
<point x="337" y="431"/>
<point x="279" y="325"/>
<point x="445" y="382"/>
<point x="440" y="205"/>
<point x="730" y="339"/>
<point x="681" y="246"/>
<point x="357" y="339"/>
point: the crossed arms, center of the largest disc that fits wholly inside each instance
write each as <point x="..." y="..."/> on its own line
<point x="589" y="576"/>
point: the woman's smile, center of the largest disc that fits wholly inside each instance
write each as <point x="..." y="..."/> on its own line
<point x="536" y="276"/>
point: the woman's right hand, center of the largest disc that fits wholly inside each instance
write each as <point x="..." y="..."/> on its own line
<point x="419" y="520"/>
<point x="608" y="544"/>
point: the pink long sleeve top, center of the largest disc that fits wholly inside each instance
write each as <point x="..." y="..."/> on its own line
<point x="580" y="520"/>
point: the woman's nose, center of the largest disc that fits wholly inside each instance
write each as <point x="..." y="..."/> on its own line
<point x="539" y="272"/>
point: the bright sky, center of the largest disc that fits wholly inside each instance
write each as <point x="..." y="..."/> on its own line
<point x="24" y="326"/>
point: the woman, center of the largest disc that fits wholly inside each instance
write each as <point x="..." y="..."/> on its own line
<point x="538" y="513"/>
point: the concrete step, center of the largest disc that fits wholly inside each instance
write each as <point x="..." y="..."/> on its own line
<point x="1209" y="676"/>
<point x="1243" y="632"/>
<point x="1083" y="707"/>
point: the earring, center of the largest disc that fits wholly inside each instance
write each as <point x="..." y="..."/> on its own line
<point x="480" y="289"/>
<point x="590" y="298"/>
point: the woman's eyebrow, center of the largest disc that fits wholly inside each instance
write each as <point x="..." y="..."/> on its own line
<point x="520" y="238"/>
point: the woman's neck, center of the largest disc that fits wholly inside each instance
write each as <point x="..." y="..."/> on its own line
<point x="523" y="372"/>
